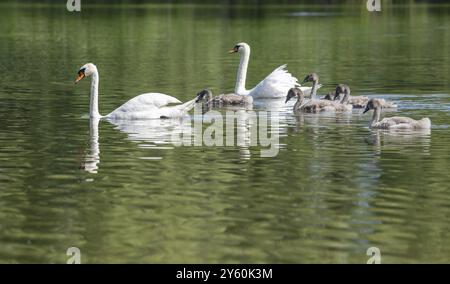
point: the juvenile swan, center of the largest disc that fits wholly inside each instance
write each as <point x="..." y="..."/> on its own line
<point x="225" y="99"/>
<point x="275" y="85"/>
<point x="145" y="106"/>
<point x="358" y="101"/>
<point x="314" y="78"/>
<point x="314" y="105"/>
<point x="327" y="105"/>
<point x="341" y="89"/>
<point x="396" y="122"/>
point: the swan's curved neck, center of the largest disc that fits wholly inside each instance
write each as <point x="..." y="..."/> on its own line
<point x="376" y="116"/>
<point x="93" y="106"/>
<point x="345" y="98"/>
<point x="242" y="72"/>
<point x="298" y="103"/>
<point x="314" y="90"/>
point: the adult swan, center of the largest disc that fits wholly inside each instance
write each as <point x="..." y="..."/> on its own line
<point x="145" y="106"/>
<point x="276" y="85"/>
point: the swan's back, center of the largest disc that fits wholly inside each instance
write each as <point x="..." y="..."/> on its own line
<point x="149" y="100"/>
<point x="358" y="101"/>
<point x="387" y="104"/>
<point x="231" y="100"/>
<point x="361" y="102"/>
<point x="143" y="106"/>
<point x="326" y="105"/>
<point x="155" y="99"/>
<point x="399" y="122"/>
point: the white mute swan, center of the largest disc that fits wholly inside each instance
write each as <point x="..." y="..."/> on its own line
<point x="276" y="85"/>
<point x="315" y="105"/>
<point x="145" y="106"/>
<point x="396" y="122"/>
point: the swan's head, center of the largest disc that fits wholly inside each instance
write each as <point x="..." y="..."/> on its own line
<point x="372" y="104"/>
<point x="85" y="71"/>
<point x="313" y="77"/>
<point x="293" y="92"/>
<point x="342" y="89"/>
<point x="204" y="94"/>
<point x="240" y="48"/>
<point x="329" y="96"/>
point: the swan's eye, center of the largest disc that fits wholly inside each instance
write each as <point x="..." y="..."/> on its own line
<point x="235" y="49"/>
<point x="82" y="72"/>
<point x="81" y="75"/>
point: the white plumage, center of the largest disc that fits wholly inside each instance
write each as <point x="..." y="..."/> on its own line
<point x="151" y="106"/>
<point x="145" y="106"/>
<point x="275" y="85"/>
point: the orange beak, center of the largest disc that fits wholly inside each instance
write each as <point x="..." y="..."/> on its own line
<point x="234" y="50"/>
<point x="79" y="77"/>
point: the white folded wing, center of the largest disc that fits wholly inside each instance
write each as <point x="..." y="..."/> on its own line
<point x="146" y="106"/>
<point x="277" y="85"/>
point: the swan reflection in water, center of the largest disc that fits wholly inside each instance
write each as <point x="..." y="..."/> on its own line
<point x="398" y="139"/>
<point x="91" y="158"/>
<point x="151" y="134"/>
<point x="155" y="131"/>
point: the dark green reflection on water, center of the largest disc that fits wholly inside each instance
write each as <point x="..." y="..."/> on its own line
<point x="334" y="190"/>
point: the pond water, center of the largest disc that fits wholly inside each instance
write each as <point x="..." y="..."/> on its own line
<point x="124" y="193"/>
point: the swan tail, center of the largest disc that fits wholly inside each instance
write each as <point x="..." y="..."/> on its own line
<point x="282" y="76"/>
<point x="425" y="122"/>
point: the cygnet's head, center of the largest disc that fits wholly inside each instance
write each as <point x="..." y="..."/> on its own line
<point x="342" y="89"/>
<point x="293" y="92"/>
<point x="205" y="94"/>
<point x="313" y="77"/>
<point x="372" y="104"/>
